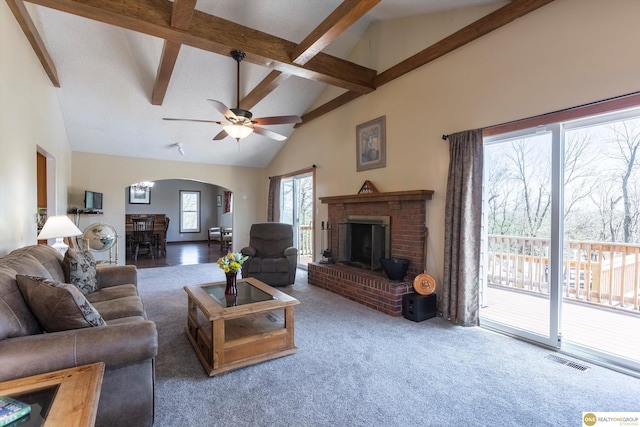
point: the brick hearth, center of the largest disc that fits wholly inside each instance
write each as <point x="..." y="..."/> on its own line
<point x="372" y="289"/>
<point x="407" y="211"/>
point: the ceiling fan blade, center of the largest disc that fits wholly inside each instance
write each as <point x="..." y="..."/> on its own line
<point x="269" y="133"/>
<point x="277" y="120"/>
<point x="223" y="109"/>
<point x="221" y="135"/>
<point x="194" y="120"/>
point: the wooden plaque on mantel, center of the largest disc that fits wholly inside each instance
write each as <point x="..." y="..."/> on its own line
<point x="368" y="188"/>
<point x="380" y="197"/>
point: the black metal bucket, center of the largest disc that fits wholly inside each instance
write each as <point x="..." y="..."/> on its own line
<point x="395" y="268"/>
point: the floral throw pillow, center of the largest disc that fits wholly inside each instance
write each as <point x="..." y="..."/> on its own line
<point x="80" y="270"/>
<point x="57" y="306"/>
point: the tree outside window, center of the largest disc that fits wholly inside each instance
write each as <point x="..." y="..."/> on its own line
<point x="189" y="211"/>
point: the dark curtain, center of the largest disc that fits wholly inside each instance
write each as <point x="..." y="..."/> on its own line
<point x="227" y="201"/>
<point x="273" y="208"/>
<point x="463" y="215"/>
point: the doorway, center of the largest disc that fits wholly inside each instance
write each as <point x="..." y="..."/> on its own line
<point x="297" y="208"/>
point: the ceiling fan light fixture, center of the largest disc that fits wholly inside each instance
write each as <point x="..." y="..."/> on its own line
<point x="237" y="131"/>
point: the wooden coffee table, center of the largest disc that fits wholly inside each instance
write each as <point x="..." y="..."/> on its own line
<point x="231" y="333"/>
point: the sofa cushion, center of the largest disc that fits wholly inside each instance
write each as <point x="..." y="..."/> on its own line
<point x="80" y="270"/>
<point x="121" y="307"/>
<point x="122" y="320"/>
<point x="24" y="263"/>
<point x="112" y="292"/>
<point x="50" y="259"/>
<point x="57" y="306"/>
<point x="16" y="320"/>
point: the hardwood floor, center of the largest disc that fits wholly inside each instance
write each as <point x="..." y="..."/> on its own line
<point x="180" y="254"/>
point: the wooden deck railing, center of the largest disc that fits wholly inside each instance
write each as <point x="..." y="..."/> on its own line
<point x="305" y="245"/>
<point x="597" y="272"/>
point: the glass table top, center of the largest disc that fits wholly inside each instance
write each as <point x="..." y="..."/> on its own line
<point x="40" y="401"/>
<point x="247" y="294"/>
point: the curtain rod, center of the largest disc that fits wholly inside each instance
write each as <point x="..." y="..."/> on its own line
<point x="295" y="172"/>
<point x="629" y="100"/>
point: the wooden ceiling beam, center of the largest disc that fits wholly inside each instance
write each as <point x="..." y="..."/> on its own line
<point x="473" y="31"/>
<point x="168" y="59"/>
<point x="182" y="12"/>
<point x="181" y="15"/>
<point x="331" y="28"/>
<point x="21" y="14"/>
<point x="264" y="88"/>
<point x="208" y="32"/>
<point x="339" y="101"/>
<point x="324" y="34"/>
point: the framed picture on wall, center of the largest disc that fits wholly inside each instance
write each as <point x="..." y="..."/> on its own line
<point x="219" y="201"/>
<point x="140" y="195"/>
<point x="371" y="144"/>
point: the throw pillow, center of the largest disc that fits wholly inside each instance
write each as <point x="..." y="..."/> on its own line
<point x="57" y="306"/>
<point x="80" y="270"/>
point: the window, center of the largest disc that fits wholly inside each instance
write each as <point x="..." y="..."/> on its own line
<point x="189" y="211"/>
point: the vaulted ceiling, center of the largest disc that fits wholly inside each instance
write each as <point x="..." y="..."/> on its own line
<point x="120" y="67"/>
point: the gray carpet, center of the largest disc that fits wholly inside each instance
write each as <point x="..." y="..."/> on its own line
<point x="358" y="367"/>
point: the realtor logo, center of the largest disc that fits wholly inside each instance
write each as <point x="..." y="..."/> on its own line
<point x="589" y="419"/>
<point x="609" y="419"/>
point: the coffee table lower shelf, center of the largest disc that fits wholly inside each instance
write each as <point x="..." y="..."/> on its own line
<point x="238" y="353"/>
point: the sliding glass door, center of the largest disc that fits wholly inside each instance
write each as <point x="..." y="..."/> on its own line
<point x="296" y="208"/>
<point x="562" y="240"/>
<point x="520" y="290"/>
<point x="602" y="237"/>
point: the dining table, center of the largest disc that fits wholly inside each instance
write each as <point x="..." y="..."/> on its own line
<point x="159" y="230"/>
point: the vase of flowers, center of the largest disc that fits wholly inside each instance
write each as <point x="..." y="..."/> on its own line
<point x="231" y="263"/>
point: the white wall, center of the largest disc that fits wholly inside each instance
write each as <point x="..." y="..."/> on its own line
<point x="30" y="117"/>
<point x="110" y="175"/>
<point x="567" y="53"/>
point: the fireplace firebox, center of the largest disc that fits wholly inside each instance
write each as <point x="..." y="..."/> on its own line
<point x="363" y="240"/>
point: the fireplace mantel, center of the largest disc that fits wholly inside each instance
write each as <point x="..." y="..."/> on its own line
<point x="394" y="196"/>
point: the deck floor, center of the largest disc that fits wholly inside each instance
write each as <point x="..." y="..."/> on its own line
<point x="603" y="329"/>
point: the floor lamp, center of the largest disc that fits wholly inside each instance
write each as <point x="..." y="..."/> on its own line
<point x="59" y="227"/>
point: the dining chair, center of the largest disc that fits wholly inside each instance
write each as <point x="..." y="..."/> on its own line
<point x="161" y="242"/>
<point x="143" y="236"/>
<point x="214" y="235"/>
<point x="227" y="239"/>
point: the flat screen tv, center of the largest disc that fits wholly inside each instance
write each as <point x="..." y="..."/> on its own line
<point x="92" y="201"/>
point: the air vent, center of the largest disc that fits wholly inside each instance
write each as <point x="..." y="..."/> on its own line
<point x="567" y="362"/>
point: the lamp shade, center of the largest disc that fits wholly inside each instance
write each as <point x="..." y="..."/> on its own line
<point x="58" y="226"/>
<point x="237" y="131"/>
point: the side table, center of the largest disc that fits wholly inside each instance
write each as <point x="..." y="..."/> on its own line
<point x="65" y="398"/>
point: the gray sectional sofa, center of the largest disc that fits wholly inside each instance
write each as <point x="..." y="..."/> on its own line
<point x="124" y="339"/>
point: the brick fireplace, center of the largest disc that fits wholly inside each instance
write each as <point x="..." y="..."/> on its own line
<point x="407" y="212"/>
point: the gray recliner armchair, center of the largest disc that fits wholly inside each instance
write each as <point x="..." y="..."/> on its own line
<point x="272" y="257"/>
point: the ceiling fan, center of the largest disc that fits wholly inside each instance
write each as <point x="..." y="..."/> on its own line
<point x="239" y="122"/>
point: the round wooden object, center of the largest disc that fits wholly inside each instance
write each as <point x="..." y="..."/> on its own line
<point x="424" y="284"/>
